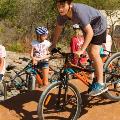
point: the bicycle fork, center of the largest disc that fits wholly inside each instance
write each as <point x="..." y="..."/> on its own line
<point x="62" y="97"/>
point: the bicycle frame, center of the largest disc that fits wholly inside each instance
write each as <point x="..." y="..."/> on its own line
<point x="81" y="74"/>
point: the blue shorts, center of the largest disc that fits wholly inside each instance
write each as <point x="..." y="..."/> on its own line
<point x="42" y="64"/>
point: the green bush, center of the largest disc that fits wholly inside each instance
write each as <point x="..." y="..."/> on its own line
<point x="16" y="47"/>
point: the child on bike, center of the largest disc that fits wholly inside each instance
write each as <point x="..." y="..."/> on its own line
<point x="76" y="43"/>
<point x="2" y="61"/>
<point x="106" y="47"/>
<point x="93" y="25"/>
<point x="40" y="52"/>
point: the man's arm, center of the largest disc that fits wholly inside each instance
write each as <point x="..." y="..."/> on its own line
<point x="88" y="36"/>
<point x="55" y="36"/>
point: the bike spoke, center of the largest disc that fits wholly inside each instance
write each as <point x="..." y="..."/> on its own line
<point x="58" y="108"/>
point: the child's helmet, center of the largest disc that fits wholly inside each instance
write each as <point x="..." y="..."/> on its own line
<point x="41" y="30"/>
<point x="76" y="26"/>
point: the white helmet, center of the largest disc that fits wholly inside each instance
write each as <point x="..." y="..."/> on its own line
<point x="76" y="26"/>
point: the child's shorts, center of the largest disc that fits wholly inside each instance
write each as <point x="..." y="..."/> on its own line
<point x="42" y="64"/>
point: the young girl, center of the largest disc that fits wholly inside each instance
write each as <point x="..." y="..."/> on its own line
<point x="40" y="53"/>
<point x="106" y="46"/>
<point x="76" y="43"/>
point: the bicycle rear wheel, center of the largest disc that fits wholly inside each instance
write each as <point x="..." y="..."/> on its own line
<point x="112" y="77"/>
<point x="54" y="104"/>
<point x="1" y="91"/>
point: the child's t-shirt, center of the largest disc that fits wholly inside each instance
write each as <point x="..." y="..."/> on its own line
<point x="40" y="48"/>
<point x="76" y="43"/>
<point x="2" y="55"/>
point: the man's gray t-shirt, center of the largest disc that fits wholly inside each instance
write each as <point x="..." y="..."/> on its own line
<point x="84" y="15"/>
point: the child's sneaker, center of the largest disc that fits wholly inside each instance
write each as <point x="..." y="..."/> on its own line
<point x="97" y="89"/>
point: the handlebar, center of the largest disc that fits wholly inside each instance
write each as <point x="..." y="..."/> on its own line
<point x="65" y="55"/>
<point x="10" y="67"/>
<point x="24" y="59"/>
<point x="70" y="55"/>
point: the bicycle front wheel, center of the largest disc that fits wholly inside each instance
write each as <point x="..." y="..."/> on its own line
<point x="31" y="82"/>
<point x="58" y="103"/>
<point x="112" y="77"/>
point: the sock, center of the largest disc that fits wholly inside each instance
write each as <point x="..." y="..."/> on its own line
<point x="102" y="83"/>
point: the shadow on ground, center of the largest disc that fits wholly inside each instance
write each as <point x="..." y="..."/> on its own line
<point x="17" y="103"/>
<point x="89" y="102"/>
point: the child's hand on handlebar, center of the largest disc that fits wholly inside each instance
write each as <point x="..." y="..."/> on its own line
<point x="78" y="53"/>
<point x="36" y="59"/>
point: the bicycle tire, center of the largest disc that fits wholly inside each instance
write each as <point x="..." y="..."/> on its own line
<point x="1" y="87"/>
<point x="1" y="91"/>
<point x="46" y="95"/>
<point x="5" y="90"/>
<point x="19" y="80"/>
<point x="31" y="82"/>
<point x="112" y="77"/>
<point x="17" y="83"/>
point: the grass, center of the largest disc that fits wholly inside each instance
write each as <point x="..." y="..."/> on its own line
<point x="16" y="47"/>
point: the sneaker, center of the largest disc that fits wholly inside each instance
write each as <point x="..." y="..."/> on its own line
<point x="97" y="89"/>
<point x="90" y="87"/>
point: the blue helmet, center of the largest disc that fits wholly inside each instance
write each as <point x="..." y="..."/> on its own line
<point x="41" y="30"/>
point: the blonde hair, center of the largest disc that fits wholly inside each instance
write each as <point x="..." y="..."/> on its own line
<point x="78" y="32"/>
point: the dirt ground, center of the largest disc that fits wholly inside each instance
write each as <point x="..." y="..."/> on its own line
<point x="24" y="107"/>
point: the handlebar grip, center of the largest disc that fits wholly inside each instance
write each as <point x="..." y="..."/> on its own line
<point x="83" y="56"/>
<point x="24" y="59"/>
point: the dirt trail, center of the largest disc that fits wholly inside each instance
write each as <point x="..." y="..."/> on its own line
<point x="24" y="107"/>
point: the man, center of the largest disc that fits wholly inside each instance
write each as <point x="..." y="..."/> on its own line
<point x="93" y="25"/>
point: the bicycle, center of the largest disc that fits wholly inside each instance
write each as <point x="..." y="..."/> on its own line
<point x="18" y="80"/>
<point x="25" y="79"/>
<point x="112" y="76"/>
<point x="62" y="97"/>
